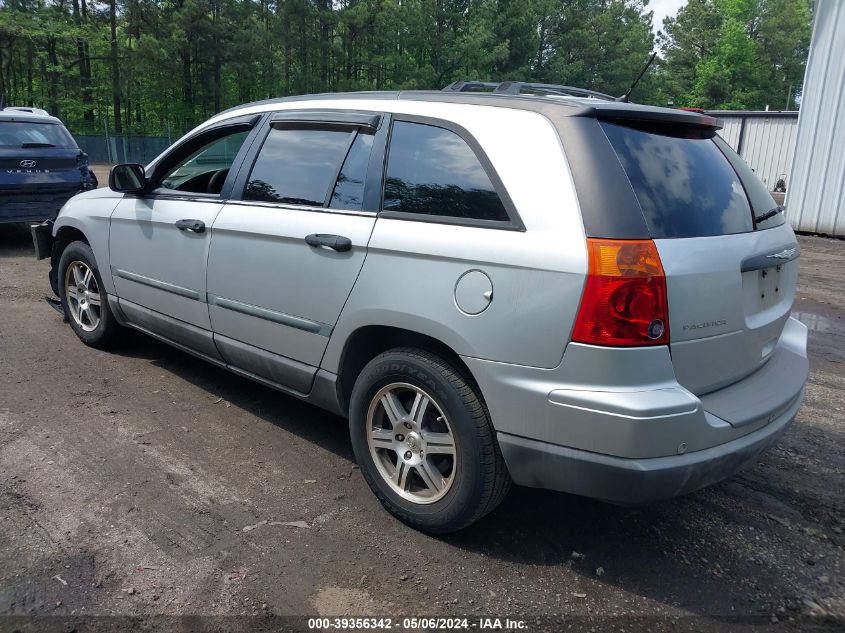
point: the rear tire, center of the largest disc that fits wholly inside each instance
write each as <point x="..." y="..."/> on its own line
<point x="83" y="297"/>
<point x="424" y="442"/>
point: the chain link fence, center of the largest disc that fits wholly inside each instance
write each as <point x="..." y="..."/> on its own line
<point x="138" y="145"/>
<point x="122" y="149"/>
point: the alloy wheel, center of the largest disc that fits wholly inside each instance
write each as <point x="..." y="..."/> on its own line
<point x="412" y="443"/>
<point x="83" y="295"/>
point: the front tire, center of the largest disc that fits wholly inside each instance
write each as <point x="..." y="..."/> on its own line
<point x="424" y="442"/>
<point x="83" y="297"/>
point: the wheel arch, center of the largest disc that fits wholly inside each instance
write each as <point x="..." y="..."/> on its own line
<point x="68" y="233"/>
<point x="367" y="342"/>
<point x="65" y="234"/>
<point x="86" y="218"/>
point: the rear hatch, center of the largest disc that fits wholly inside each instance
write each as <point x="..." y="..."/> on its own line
<point x="729" y="258"/>
<point x="39" y="158"/>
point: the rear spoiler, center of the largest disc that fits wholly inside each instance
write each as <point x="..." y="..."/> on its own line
<point x="652" y="115"/>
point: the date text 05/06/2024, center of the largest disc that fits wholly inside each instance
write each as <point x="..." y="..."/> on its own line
<point x="411" y="623"/>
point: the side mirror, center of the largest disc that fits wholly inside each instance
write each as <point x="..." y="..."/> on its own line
<point x="128" y="178"/>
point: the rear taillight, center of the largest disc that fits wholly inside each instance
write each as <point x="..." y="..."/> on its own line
<point x="624" y="300"/>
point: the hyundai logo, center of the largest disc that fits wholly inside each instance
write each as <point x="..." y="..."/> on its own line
<point x="28" y="164"/>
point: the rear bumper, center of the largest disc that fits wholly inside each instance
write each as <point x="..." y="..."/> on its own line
<point x="34" y="207"/>
<point x="615" y="424"/>
<point x="634" y="481"/>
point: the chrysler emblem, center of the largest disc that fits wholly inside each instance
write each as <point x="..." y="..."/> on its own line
<point x="784" y="254"/>
<point x="28" y="163"/>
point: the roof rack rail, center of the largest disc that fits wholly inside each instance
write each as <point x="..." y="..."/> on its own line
<point x="523" y="87"/>
<point x="471" y="86"/>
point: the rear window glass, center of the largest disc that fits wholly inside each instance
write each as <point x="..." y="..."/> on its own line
<point x="685" y="186"/>
<point x="28" y="134"/>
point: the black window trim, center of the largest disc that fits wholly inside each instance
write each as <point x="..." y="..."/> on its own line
<point x="514" y="222"/>
<point x="357" y="121"/>
<point x="251" y="121"/>
<point x="298" y="207"/>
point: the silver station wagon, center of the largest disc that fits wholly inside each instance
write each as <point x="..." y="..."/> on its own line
<point x="556" y="289"/>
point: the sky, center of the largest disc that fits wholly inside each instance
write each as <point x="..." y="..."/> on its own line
<point x="662" y="9"/>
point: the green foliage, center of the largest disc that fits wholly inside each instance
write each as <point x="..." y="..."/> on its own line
<point x="179" y="61"/>
<point x="735" y="54"/>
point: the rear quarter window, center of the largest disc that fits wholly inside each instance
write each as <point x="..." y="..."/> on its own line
<point x="685" y="185"/>
<point x="434" y="172"/>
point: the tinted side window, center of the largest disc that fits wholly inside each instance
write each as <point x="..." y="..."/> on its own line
<point x="433" y="171"/>
<point x="767" y="214"/>
<point x="297" y="165"/>
<point x="349" y="190"/>
<point x="685" y="186"/>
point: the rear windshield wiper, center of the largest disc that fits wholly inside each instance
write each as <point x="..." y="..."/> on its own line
<point x="31" y="145"/>
<point x="767" y="215"/>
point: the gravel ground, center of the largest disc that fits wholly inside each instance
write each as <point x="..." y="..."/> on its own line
<point x="144" y="482"/>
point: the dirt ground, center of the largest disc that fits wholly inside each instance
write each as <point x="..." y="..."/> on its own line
<point x="144" y="482"/>
<point x="101" y="171"/>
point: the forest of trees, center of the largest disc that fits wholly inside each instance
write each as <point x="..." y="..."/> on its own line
<point x="157" y="66"/>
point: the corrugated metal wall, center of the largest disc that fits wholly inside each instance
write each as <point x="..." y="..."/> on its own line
<point x="768" y="146"/>
<point x="765" y="140"/>
<point x="815" y="199"/>
<point x="733" y="124"/>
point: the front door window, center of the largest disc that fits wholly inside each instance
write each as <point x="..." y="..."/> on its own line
<point x="205" y="168"/>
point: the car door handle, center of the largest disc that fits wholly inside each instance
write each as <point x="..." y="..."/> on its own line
<point x="194" y="226"/>
<point x="336" y="242"/>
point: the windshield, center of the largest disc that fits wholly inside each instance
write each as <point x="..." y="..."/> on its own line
<point x="25" y="134"/>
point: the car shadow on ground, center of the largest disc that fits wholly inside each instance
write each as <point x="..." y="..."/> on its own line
<point x="286" y="412"/>
<point x="15" y="239"/>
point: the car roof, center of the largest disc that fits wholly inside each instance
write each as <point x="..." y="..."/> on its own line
<point x="559" y="105"/>
<point x="34" y="115"/>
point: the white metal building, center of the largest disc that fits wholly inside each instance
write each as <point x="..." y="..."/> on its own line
<point x="815" y="197"/>
<point x="765" y="140"/>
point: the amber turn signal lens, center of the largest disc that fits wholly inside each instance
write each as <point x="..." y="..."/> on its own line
<point x="624" y="301"/>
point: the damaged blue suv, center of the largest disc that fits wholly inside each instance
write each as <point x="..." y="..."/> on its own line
<point x="41" y="166"/>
